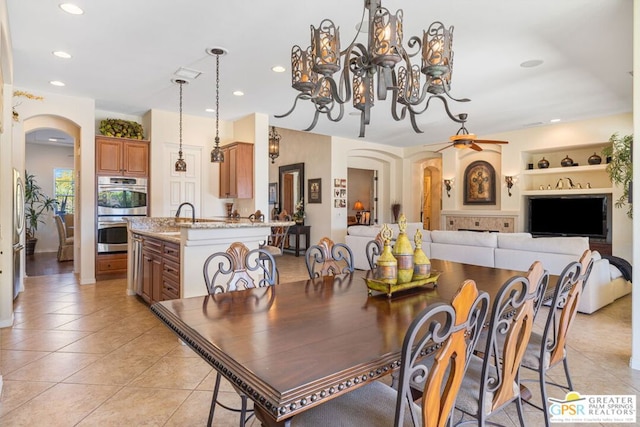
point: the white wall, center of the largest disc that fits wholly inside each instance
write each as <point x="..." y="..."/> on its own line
<point x="41" y="160"/>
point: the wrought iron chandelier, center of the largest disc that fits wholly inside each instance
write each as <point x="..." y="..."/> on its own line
<point x="181" y="165"/>
<point x="274" y="144"/>
<point x="217" y="156"/>
<point x="312" y="69"/>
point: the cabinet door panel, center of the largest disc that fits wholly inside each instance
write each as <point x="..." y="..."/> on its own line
<point x="136" y="158"/>
<point x="109" y="157"/>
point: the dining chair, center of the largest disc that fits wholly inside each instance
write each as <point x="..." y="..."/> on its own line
<point x="65" y="244"/>
<point x="493" y="380"/>
<point x="450" y="332"/>
<point x="257" y="216"/>
<point x="373" y="250"/>
<point x="547" y="349"/>
<point x="235" y="269"/>
<point x="328" y="258"/>
<point x="275" y="243"/>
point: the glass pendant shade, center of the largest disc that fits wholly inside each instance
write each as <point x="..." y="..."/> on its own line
<point x="437" y="57"/>
<point x="362" y="85"/>
<point x="409" y="85"/>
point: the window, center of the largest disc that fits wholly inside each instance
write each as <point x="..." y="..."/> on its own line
<point x="64" y="190"/>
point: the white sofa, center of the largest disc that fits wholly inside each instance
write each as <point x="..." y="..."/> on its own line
<point x="513" y="251"/>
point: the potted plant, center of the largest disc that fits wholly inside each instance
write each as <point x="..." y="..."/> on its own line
<point x="298" y="215"/>
<point x="36" y="203"/>
<point x="620" y="168"/>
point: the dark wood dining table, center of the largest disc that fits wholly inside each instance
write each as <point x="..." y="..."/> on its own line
<point x="295" y="345"/>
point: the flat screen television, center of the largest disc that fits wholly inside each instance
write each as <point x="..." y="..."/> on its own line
<point x="585" y="215"/>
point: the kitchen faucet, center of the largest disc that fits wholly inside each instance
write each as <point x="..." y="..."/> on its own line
<point x="193" y="211"/>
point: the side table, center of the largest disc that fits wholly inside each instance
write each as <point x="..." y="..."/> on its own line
<point x="296" y="231"/>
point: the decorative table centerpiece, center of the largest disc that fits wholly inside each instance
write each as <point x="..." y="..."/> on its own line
<point x="404" y="267"/>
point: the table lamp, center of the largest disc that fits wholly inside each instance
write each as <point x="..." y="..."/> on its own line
<point x="358" y="207"/>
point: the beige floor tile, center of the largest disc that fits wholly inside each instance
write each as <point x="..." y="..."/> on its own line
<point x="16" y="393"/>
<point x="54" y="367"/>
<point x="174" y="372"/>
<point x="10" y="360"/>
<point x="113" y="369"/>
<point x="137" y="406"/>
<point x="60" y="405"/>
<point x="102" y="342"/>
<point x="46" y="321"/>
<point x="50" y="340"/>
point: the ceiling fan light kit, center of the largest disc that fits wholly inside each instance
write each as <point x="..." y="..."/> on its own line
<point x="384" y="56"/>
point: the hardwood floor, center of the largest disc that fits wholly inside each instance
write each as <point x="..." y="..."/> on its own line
<point x="45" y="264"/>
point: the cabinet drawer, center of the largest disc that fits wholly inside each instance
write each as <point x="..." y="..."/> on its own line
<point x="171" y="270"/>
<point x="111" y="263"/>
<point x="171" y="251"/>
<point x="151" y="244"/>
<point x="170" y="289"/>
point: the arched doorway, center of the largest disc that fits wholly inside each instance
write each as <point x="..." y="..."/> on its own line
<point x="431" y="198"/>
<point x="57" y="131"/>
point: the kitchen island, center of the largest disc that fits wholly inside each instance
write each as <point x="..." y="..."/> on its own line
<point x="166" y="254"/>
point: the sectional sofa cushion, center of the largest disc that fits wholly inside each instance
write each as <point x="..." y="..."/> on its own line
<point x="469" y="247"/>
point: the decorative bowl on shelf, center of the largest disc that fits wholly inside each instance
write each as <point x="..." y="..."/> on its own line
<point x="594" y="159"/>
<point x="543" y="163"/>
<point x="567" y="161"/>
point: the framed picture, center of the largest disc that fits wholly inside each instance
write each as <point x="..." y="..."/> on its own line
<point x="273" y="193"/>
<point x="479" y="184"/>
<point x="336" y="182"/>
<point x="315" y="190"/>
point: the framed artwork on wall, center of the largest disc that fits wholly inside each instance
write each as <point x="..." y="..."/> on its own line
<point x="273" y="193"/>
<point x="479" y="184"/>
<point x="315" y="190"/>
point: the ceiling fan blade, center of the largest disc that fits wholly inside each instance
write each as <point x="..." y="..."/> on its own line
<point x="443" y="148"/>
<point x="490" y="141"/>
<point x="475" y="146"/>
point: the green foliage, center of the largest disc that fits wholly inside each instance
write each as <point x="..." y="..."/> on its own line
<point x="35" y="204"/>
<point x="620" y="168"/>
<point x="121" y="128"/>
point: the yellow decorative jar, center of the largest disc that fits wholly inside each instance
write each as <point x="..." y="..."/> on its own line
<point x="403" y="252"/>
<point x="421" y="264"/>
<point x="387" y="265"/>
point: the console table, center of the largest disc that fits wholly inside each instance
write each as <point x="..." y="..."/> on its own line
<point x="296" y="231"/>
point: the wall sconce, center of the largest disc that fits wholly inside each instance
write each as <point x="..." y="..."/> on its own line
<point x="447" y="185"/>
<point x="274" y="144"/>
<point x="509" y="180"/>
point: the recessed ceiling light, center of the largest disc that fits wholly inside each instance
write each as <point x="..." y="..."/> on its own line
<point x="210" y="110"/>
<point x="278" y="69"/>
<point x="71" y="8"/>
<point x="238" y="93"/>
<point x="532" y="63"/>
<point x="56" y="83"/>
<point x="61" y="54"/>
<point x="554" y="120"/>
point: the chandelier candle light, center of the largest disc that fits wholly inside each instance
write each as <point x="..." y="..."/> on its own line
<point x="217" y="156"/>
<point x="312" y="69"/>
<point x="181" y="165"/>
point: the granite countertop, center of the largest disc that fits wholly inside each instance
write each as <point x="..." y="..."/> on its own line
<point x="168" y="228"/>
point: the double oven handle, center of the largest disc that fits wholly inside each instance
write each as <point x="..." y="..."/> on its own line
<point x="105" y="224"/>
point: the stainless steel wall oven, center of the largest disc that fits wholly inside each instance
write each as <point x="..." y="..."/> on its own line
<point x="118" y="197"/>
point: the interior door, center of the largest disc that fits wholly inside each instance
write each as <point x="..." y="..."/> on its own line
<point x="288" y="203"/>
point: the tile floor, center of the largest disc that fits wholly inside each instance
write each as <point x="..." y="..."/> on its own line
<point x="93" y="356"/>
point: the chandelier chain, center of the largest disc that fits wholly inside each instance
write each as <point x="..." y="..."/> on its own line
<point x="217" y="93"/>
<point x="181" y="119"/>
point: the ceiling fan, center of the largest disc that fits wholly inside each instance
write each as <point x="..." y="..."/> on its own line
<point x="464" y="139"/>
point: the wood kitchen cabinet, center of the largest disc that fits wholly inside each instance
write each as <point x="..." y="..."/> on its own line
<point x="111" y="266"/>
<point x="236" y="172"/>
<point x="122" y="157"/>
<point x="160" y="270"/>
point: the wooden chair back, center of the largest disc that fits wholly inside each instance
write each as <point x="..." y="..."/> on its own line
<point x="512" y="315"/>
<point x="564" y="306"/>
<point x="455" y="329"/>
<point x="238" y="268"/>
<point x="277" y="240"/>
<point x="328" y="258"/>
